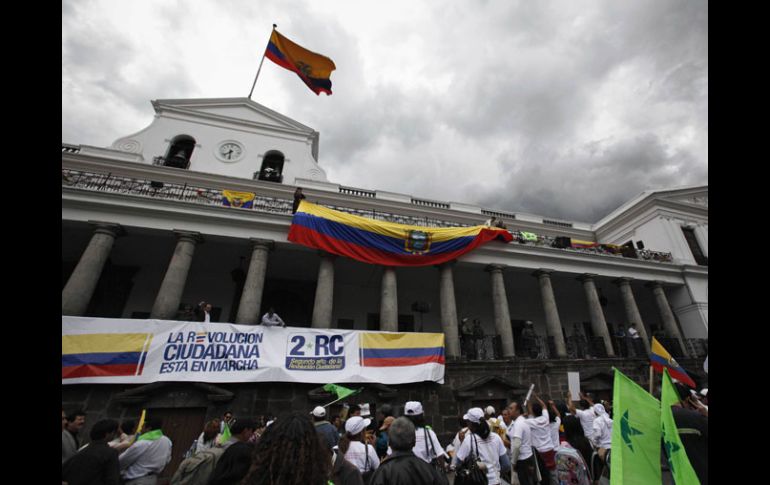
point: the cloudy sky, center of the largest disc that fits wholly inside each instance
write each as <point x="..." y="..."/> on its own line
<point x="564" y="109"/>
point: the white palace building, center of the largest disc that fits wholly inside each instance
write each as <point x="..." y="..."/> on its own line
<point x="145" y="234"/>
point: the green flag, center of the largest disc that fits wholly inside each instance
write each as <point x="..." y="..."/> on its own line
<point x="635" y="434"/>
<point x="680" y="465"/>
<point x="226" y="434"/>
<point x="341" y="392"/>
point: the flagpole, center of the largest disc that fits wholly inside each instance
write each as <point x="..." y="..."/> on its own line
<point x="340" y="399"/>
<point x="260" y="64"/>
<point x="651" y="381"/>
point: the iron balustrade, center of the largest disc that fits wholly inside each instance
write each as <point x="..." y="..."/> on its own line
<point x="209" y="196"/>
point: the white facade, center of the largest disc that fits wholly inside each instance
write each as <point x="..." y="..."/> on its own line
<point x="188" y="201"/>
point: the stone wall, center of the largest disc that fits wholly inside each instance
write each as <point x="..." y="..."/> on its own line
<point x="466" y="385"/>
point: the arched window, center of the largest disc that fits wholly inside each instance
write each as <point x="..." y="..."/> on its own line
<point x="272" y="167"/>
<point x="180" y="151"/>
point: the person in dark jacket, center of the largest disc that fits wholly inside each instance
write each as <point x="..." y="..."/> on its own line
<point x="235" y="462"/>
<point x="298" y="196"/>
<point x="403" y="467"/>
<point x="97" y="463"/>
<point x="324" y="427"/>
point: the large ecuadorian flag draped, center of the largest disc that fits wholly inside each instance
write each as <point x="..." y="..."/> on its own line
<point x="401" y="349"/>
<point x="385" y="243"/>
<point x="103" y="354"/>
<point x="314" y="69"/>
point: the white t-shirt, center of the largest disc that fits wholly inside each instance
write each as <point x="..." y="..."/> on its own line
<point x="520" y="429"/>
<point x="555" y="432"/>
<point x="420" y="445"/>
<point x="273" y="321"/>
<point x="489" y="450"/>
<point x="602" y="433"/>
<point x="455" y="442"/>
<point x="541" y="432"/>
<point x="357" y="456"/>
<point x="586" y="420"/>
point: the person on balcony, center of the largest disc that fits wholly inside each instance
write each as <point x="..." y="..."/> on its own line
<point x="466" y="338"/>
<point x="203" y="312"/>
<point x="478" y="339"/>
<point x="271" y="319"/>
<point x="620" y="340"/>
<point x="298" y="196"/>
<point x="635" y="347"/>
<point x="529" y="340"/>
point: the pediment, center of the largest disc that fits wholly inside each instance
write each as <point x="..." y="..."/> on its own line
<point x="691" y="197"/>
<point x="490" y="387"/>
<point x="238" y="110"/>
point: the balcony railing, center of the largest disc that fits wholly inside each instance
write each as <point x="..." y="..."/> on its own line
<point x="194" y="194"/>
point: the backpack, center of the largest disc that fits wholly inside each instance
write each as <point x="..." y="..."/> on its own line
<point x="197" y="469"/>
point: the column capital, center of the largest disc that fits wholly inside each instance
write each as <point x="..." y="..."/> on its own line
<point x="495" y="268"/>
<point x="542" y="272"/>
<point x="109" y="228"/>
<point x="586" y="277"/>
<point x="623" y="280"/>
<point x="268" y="244"/>
<point x="653" y="285"/>
<point x="192" y="236"/>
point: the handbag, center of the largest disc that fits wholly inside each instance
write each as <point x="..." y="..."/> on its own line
<point x="367" y="474"/>
<point x="469" y="472"/>
<point x="435" y="462"/>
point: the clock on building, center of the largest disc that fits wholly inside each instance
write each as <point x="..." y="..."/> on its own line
<point x="229" y="151"/>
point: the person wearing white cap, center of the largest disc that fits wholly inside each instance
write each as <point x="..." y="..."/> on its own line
<point x="362" y="455"/>
<point x="485" y="445"/>
<point x="542" y="442"/>
<point x="324" y="427"/>
<point x="427" y="446"/>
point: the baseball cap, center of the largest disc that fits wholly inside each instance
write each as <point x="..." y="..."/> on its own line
<point x="704" y="392"/>
<point x="490" y="410"/>
<point x="474" y="415"/>
<point x="319" y="412"/>
<point x="413" y="408"/>
<point x="356" y="424"/>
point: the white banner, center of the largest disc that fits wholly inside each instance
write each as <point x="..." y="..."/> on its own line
<point x="115" y="351"/>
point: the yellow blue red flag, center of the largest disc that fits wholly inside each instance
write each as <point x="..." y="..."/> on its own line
<point x="314" y="69"/>
<point x="243" y="200"/>
<point x="380" y="349"/>
<point x="385" y="243"/>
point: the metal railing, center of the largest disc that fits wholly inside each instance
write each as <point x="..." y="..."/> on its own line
<point x="194" y="194"/>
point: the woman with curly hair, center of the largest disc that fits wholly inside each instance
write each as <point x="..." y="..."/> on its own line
<point x="289" y="453"/>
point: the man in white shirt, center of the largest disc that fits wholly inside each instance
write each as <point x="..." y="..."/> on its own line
<point x="271" y="319"/>
<point x="636" y="341"/>
<point x="522" y="459"/>
<point x="539" y="425"/>
<point x="585" y="415"/>
<point x="143" y="461"/>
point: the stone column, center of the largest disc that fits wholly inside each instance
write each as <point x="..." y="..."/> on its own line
<point x="632" y="312"/>
<point x="170" y="294"/>
<point x="552" y="321"/>
<point x="389" y="301"/>
<point x="669" y="323"/>
<point x="449" y="310"/>
<point x="251" y="297"/>
<point x="324" y="292"/>
<point x="500" y="304"/>
<point x="598" y="323"/>
<point x="702" y="236"/>
<point x="82" y="282"/>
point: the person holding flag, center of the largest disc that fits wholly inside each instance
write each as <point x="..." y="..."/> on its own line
<point x="143" y="461"/>
<point x="635" y="435"/>
<point x="685" y="434"/>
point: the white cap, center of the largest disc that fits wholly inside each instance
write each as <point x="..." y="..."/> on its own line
<point x="365" y="409"/>
<point x="319" y="412"/>
<point x="269" y="423"/>
<point x="356" y="424"/>
<point x="704" y="392"/>
<point x="490" y="410"/>
<point x="474" y="415"/>
<point x="413" y="408"/>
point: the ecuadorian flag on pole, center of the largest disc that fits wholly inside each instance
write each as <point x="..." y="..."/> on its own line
<point x="314" y="69"/>
<point x="385" y="243"/>
<point x="661" y="359"/>
<point x="104" y="354"/>
<point x="401" y="349"/>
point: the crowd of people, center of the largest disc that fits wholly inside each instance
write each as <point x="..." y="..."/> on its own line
<point x="530" y="442"/>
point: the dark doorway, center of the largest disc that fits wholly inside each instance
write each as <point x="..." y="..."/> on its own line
<point x="182" y="426"/>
